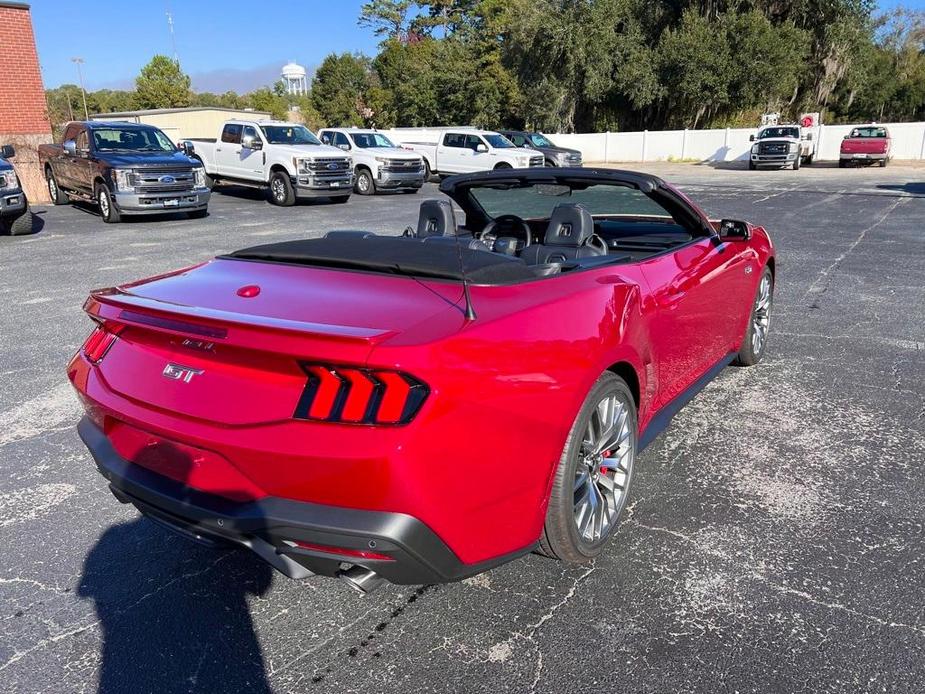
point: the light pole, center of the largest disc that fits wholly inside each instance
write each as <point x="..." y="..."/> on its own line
<point x="78" y="62"/>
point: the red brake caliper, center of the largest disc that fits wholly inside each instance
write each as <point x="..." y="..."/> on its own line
<point x="605" y="454"/>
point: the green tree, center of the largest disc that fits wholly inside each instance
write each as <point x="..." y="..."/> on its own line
<point x="162" y="84"/>
<point x="340" y="89"/>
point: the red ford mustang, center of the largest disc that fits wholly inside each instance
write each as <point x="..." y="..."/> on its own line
<point x="420" y="408"/>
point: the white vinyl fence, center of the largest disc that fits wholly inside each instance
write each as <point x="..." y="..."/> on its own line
<point x="730" y="144"/>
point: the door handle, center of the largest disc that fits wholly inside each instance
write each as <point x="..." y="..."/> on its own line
<point x="671" y="297"/>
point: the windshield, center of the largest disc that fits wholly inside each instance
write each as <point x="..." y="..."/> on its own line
<point x="779" y="132"/>
<point x="868" y="132"/>
<point x="131" y="140"/>
<point x="538" y="140"/>
<point x="289" y="135"/>
<point x="367" y="140"/>
<point x="498" y="141"/>
<point x="537" y="201"/>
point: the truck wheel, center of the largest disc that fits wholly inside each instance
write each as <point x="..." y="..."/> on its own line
<point x="502" y="165"/>
<point x="593" y="478"/>
<point x="19" y="226"/>
<point x="809" y="160"/>
<point x="364" y="184"/>
<point x="281" y="192"/>
<point x="882" y="163"/>
<point x="428" y="174"/>
<point x="751" y="165"/>
<point x="108" y="210"/>
<point x="549" y="164"/>
<point x="58" y="197"/>
<point x="841" y="163"/>
<point x="796" y="163"/>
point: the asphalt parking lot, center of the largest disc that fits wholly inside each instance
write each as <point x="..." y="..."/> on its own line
<point x="774" y="541"/>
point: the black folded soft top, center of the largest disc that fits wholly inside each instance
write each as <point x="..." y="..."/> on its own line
<point x="394" y="255"/>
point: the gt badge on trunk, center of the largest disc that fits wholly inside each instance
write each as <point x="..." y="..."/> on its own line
<point x="177" y="372"/>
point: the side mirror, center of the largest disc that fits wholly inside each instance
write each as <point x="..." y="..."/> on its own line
<point x="187" y="147"/>
<point x="250" y="142"/>
<point x="345" y="147"/>
<point x="734" y="230"/>
<point x="70" y="148"/>
<point x="481" y="147"/>
<point x="751" y="138"/>
<point x="7" y="152"/>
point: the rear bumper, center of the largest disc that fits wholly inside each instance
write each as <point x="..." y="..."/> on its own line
<point x="863" y="156"/>
<point x="12" y="203"/>
<point x="160" y="203"/>
<point x="267" y="526"/>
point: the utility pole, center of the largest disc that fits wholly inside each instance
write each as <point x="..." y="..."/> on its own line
<point x="78" y="62"/>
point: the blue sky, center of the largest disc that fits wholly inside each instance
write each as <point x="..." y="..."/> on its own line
<point x="222" y="44"/>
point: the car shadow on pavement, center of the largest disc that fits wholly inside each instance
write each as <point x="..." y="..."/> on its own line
<point x="173" y="613"/>
<point x="916" y="188"/>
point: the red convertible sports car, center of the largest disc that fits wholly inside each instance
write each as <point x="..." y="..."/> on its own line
<point x="420" y="408"/>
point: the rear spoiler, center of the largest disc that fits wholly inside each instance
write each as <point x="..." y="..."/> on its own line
<point x="215" y="325"/>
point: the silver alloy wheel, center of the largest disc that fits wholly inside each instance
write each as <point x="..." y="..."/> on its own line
<point x="604" y="469"/>
<point x="279" y="189"/>
<point x="52" y="188"/>
<point x="104" y="203"/>
<point x="363" y="182"/>
<point x="761" y="320"/>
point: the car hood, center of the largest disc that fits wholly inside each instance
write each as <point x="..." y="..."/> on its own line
<point x="777" y="139"/>
<point x="143" y="159"/>
<point x="309" y="151"/>
<point x="557" y="150"/>
<point x="4" y="166"/>
<point x="522" y="151"/>
<point x="392" y="153"/>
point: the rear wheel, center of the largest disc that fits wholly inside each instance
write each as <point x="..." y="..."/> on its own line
<point x="58" y="197"/>
<point x="108" y="210"/>
<point x="882" y="163"/>
<point x="281" y="192"/>
<point x="841" y="164"/>
<point x="593" y="478"/>
<point x="364" y="184"/>
<point x="759" y="322"/>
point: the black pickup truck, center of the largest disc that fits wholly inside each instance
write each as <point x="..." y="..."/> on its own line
<point x="126" y="168"/>
<point x="15" y="217"/>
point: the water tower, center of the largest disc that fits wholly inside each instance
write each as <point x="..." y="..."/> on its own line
<point x="294" y="79"/>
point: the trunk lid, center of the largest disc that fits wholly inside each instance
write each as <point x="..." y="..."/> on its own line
<point x="226" y="341"/>
<point x="864" y="145"/>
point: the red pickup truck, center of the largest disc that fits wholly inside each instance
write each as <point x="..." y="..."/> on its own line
<point x="865" y="144"/>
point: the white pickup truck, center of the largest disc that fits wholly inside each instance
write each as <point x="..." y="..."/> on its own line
<point x="782" y="145"/>
<point x="286" y="158"/>
<point x="377" y="163"/>
<point x="464" y="150"/>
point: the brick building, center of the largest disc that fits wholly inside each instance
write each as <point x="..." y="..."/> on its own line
<point x="23" y="111"/>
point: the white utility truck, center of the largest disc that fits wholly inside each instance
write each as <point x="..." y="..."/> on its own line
<point x="464" y="150"/>
<point x="783" y="145"/>
<point x="377" y="163"/>
<point x="285" y="158"/>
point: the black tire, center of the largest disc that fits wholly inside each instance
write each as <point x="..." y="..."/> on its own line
<point x="502" y="165"/>
<point x="882" y="163"/>
<point x="550" y="164"/>
<point x="428" y="174"/>
<point x="809" y="160"/>
<point x="281" y="191"/>
<point x="58" y="197"/>
<point x="108" y="210"/>
<point x="796" y="163"/>
<point x="18" y="226"/>
<point x="751" y="165"/>
<point x="364" y="185"/>
<point x="561" y="538"/>
<point x="841" y="164"/>
<point x="198" y="214"/>
<point x="749" y="353"/>
<point x="339" y="199"/>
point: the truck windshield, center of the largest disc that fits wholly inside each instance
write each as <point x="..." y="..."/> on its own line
<point x="779" y="132"/>
<point x="366" y="140"/>
<point x="538" y="140"/>
<point x="289" y="135"/>
<point x="498" y="141"/>
<point x="131" y="139"/>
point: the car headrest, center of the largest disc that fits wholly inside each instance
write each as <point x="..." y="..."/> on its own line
<point x="436" y="218"/>
<point x="569" y="225"/>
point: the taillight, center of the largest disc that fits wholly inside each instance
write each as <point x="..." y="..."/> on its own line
<point x="99" y="342"/>
<point x="359" y="396"/>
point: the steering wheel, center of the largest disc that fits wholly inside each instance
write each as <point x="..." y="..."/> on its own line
<point x="508" y="222"/>
<point x="599" y="242"/>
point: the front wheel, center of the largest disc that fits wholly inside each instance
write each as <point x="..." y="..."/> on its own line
<point x="759" y="322"/>
<point x="751" y="165"/>
<point x="108" y="210"/>
<point x="364" y="184"/>
<point x="281" y="192"/>
<point x="593" y="478"/>
<point x="796" y="163"/>
<point x="502" y="165"/>
<point x="20" y="226"/>
<point x="58" y="197"/>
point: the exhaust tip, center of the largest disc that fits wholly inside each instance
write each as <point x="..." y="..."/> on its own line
<point x="361" y="579"/>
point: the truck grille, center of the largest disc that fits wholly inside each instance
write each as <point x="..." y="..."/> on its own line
<point x="537" y="161"/>
<point x="773" y="148"/>
<point x="163" y="180"/>
<point x="403" y="165"/>
<point x="329" y="167"/>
